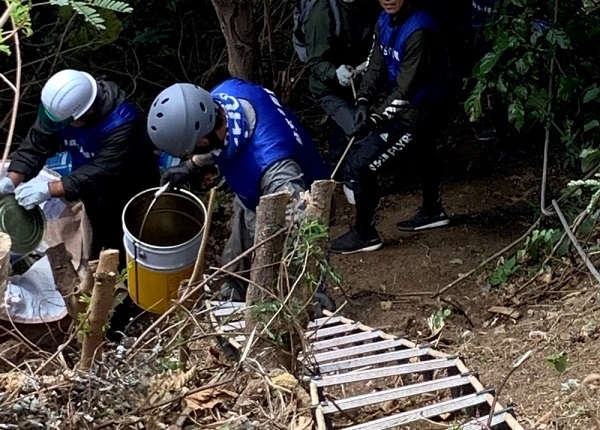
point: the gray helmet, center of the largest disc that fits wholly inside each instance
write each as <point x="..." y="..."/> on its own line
<point x="180" y="115"/>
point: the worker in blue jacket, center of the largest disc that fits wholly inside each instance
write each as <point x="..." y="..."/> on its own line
<point x="409" y="64"/>
<point x="257" y="144"/>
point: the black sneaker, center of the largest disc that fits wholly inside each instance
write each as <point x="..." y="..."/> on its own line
<point x="232" y="290"/>
<point x="352" y="242"/>
<point x="424" y="220"/>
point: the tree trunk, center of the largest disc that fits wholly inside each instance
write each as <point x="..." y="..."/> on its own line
<point x="237" y="23"/>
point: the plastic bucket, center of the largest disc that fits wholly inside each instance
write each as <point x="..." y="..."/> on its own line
<point x="161" y="255"/>
<point x="26" y="228"/>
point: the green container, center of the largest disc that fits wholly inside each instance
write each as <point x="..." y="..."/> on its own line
<point x="26" y="228"/>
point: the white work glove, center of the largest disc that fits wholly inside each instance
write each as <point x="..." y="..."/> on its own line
<point x="7" y="186"/>
<point x="32" y="193"/>
<point x="361" y="67"/>
<point x="349" y="195"/>
<point x="344" y="75"/>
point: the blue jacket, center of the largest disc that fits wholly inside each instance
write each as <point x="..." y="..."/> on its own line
<point x="392" y="41"/>
<point x="277" y="135"/>
<point x="82" y="144"/>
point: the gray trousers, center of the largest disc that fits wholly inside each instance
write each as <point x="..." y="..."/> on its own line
<point x="340" y="110"/>
<point x="243" y="222"/>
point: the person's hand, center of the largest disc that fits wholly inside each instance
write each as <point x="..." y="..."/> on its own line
<point x="178" y="175"/>
<point x="344" y="75"/>
<point x="7" y="186"/>
<point x="32" y="193"/>
<point x="361" y="68"/>
<point x="363" y="123"/>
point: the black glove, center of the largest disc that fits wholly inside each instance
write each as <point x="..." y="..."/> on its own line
<point x="363" y="123"/>
<point x="361" y="114"/>
<point x="179" y="175"/>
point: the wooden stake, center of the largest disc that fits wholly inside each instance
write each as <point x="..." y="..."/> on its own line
<point x="105" y="280"/>
<point x="66" y="278"/>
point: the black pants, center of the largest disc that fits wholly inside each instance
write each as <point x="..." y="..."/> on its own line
<point x="381" y="150"/>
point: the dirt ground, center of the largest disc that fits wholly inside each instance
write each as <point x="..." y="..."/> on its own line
<point x="490" y="208"/>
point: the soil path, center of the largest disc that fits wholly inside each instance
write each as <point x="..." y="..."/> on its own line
<point x="488" y="212"/>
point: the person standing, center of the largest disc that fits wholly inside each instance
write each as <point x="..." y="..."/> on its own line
<point x="407" y="61"/>
<point x="339" y="34"/>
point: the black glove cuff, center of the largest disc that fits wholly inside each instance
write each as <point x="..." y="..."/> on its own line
<point x="192" y="167"/>
<point x="377" y="119"/>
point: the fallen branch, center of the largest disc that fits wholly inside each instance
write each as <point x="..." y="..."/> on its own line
<point x="515" y="366"/>
<point x="487" y="260"/>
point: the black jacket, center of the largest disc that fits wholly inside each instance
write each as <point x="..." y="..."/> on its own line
<point x="124" y="164"/>
<point x="424" y="55"/>
<point x="327" y="51"/>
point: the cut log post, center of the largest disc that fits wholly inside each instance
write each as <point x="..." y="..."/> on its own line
<point x="66" y="278"/>
<point x="5" y="267"/>
<point x="270" y="217"/>
<point x="318" y="201"/>
<point x="105" y="280"/>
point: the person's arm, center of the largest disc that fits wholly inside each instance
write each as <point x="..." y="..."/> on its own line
<point x="415" y="67"/>
<point x="107" y="165"/>
<point x="375" y="74"/>
<point x="32" y="153"/>
<point x="285" y="174"/>
<point x="320" y="30"/>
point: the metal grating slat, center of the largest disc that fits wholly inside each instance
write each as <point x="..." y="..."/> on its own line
<point x="344" y="340"/>
<point x="322" y="322"/>
<point x="356" y="350"/>
<point x="371" y="360"/>
<point x="383" y="372"/>
<point x="430" y="411"/>
<point x="480" y="423"/>
<point x="330" y="331"/>
<point x="395" y="393"/>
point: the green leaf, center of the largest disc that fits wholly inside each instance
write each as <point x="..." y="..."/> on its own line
<point x="558" y="37"/>
<point x="447" y="312"/>
<point x="522" y="66"/>
<point x="590" y="125"/>
<point x="516" y="114"/>
<point x="559" y="362"/>
<point x="591" y="93"/>
<point x="590" y="157"/>
<point x="487" y="63"/>
<point x="5" y="49"/>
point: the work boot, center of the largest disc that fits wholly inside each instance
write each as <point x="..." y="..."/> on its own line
<point x="232" y="291"/>
<point x="353" y="241"/>
<point x="321" y="302"/>
<point x="424" y="220"/>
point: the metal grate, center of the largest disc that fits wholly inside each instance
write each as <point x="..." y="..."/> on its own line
<point x="345" y="354"/>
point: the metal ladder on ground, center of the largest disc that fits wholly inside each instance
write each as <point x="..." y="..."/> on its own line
<point x="344" y="357"/>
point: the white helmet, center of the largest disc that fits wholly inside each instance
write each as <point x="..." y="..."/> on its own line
<point x="180" y="115"/>
<point x="69" y="94"/>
